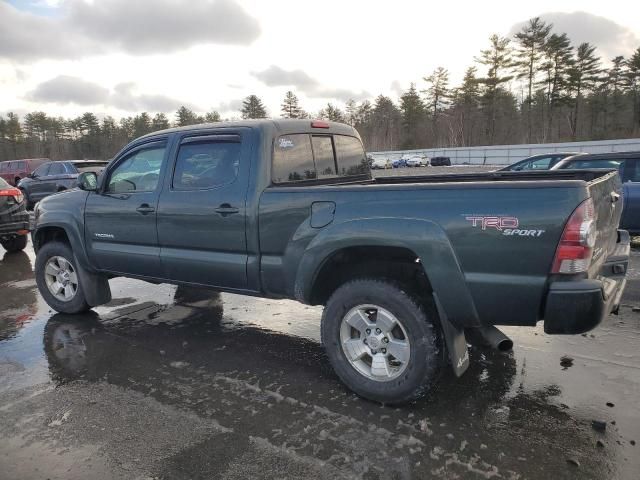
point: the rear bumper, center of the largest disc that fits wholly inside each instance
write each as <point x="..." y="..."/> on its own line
<point x="9" y="227"/>
<point x="579" y="306"/>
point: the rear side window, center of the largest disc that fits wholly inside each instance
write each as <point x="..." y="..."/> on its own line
<point x="584" y="164"/>
<point x="57" y="169"/>
<point x="206" y="164"/>
<point x="4" y="167"/>
<point x="19" y="166"/>
<point x="293" y="159"/>
<point x="325" y="162"/>
<point x="350" y="155"/>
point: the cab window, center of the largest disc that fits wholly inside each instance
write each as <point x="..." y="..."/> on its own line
<point x="206" y="164"/>
<point x="350" y="156"/>
<point x="293" y="159"/>
<point x="139" y="172"/>
<point x="325" y="162"/>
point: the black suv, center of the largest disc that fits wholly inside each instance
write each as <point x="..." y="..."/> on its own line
<point x="53" y="177"/>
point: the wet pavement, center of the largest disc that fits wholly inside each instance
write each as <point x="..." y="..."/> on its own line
<point x="167" y="382"/>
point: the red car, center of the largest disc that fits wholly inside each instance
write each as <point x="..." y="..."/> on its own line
<point x="15" y="170"/>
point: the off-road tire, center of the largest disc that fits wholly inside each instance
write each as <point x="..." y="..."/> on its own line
<point x="419" y="321"/>
<point x="78" y="303"/>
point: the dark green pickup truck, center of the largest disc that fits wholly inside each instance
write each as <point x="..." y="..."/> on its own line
<point x="405" y="266"/>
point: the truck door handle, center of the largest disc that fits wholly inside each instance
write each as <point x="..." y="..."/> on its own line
<point x="145" y="208"/>
<point x="226" y="209"/>
<point x="614" y="197"/>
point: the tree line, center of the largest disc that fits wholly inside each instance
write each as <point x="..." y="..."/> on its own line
<point x="536" y="87"/>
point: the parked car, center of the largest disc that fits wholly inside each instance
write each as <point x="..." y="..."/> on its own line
<point x="53" y="177"/>
<point x="399" y="163"/>
<point x="289" y="209"/>
<point x="380" y="163"/>
<point x="12" y="171"/>
<point x="417" y="161"/>
<point x="14" y="218"/>
<point x="628" y="164"/>
<point x="440" y="161"/>
<point x="543" y="161"/>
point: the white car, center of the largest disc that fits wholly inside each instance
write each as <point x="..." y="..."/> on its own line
<point x="380" y="163"/>
<point x="417" y="161"/>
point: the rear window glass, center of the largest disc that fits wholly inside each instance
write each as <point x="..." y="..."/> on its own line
<point x="323" y="155"/>
<point x="632" y="170"/>
<point x="293" y="159"/>
<point x="351" y="157"/>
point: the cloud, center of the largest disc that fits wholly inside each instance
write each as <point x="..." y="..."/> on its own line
<point x="136" y="27"/>
<point x="65" y="89"/>
<point x="275" y="76"/>
<point x="611" y="38"/>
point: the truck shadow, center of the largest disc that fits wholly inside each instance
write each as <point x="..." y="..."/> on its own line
<point x="278" y="387"/>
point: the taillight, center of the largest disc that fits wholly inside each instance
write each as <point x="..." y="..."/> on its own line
<point x="319" y="124"/>
<point x="578" y="239"/>
<point x="14" y="194"/>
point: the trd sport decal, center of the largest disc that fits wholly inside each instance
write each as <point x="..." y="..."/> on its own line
<point x="508" y="226"/>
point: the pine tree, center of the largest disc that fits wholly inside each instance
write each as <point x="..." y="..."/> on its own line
<point x="497" y="59"/>
<point x="185" y="116"/>
<point x="559" y="59"/>
<point x="413" y="115"/>
<point x="331" y="113"/>
<point x="466" y="100"/>
<point x="212" y="117"/>
<point x="529" y="53"/>
<point x="290" y="107"/>
<point x="632" y="83"/>
<point x="141" y="124"/>
<point x="159" y="122"/>
<point x="252" y="107"/>
<point x="438" y="96"/>
<point x="583" y="75"/>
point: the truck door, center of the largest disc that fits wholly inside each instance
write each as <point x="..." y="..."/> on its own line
<point x="120" y="219"/>
<point x="202" y="213"/>
<point x="631" y="196"/>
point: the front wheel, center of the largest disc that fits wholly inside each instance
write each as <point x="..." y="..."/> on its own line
<point x="381" y="342"/>
<point x="58" y="278"/>
<point x="15" y="244"/>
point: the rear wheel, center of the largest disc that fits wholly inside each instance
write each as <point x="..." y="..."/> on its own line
<point x="15" y="244"/>
<point x="58" y="279"/>
<point x="381" y="341"/>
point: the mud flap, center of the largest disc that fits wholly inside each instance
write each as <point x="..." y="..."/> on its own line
<point x="96" y="287"/>
<point x="455" y="340"/>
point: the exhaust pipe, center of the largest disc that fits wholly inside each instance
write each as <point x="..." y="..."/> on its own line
<point x="489" y="336"/>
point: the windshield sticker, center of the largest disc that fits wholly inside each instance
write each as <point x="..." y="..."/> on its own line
<point x="286" y="143"/>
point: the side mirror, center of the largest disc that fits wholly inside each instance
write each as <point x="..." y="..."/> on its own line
<point x="88" y="181"/>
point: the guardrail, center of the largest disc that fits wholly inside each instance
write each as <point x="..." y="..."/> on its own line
<point x="507" y="154"/>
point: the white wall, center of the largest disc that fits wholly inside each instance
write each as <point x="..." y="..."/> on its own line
<point x="506" y="154"/>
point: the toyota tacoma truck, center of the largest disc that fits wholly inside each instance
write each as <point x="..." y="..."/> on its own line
<point x="405" y="267"/>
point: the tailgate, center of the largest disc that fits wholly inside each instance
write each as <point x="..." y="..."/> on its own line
<point x="606" y="193"/>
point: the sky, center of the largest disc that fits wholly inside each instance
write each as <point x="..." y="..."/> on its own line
<point x="122" y="57"/>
